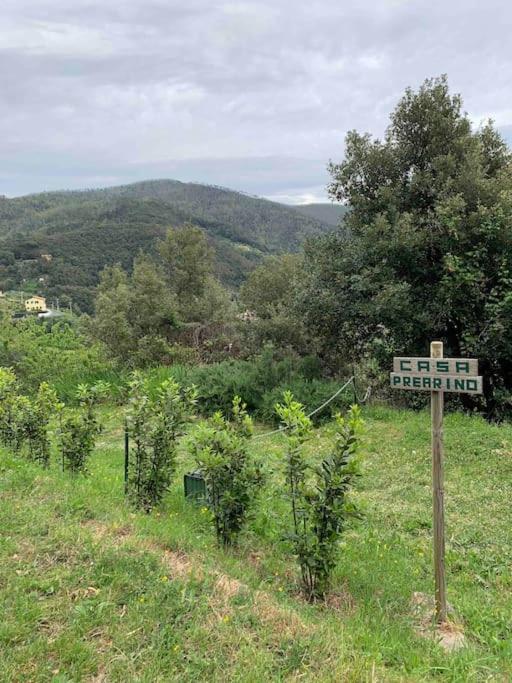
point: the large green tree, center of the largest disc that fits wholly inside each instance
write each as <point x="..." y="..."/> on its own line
<point x="269" y="293"/>
<point x="135" y="315"/>
<point x="428" y="253"/>
<point x="188" y="261"/>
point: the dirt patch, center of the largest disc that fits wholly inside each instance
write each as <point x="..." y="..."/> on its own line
<point x="100" y="530"/>
<point x="281" y="619"/>
<point x="448" y="635"/>
<point x="83" y="593"/>
<point x="284" y="621"/>
<point x="341" y="601"/>
<point x="178" y="563"/>
<point x="227" y="588"/>
<point x="102" y="640"/>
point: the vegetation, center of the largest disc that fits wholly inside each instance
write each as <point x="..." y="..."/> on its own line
<point x="154" y="425"/>
<point x="332" y="214"/>
<point x="320" y="509"/>
<point x="430" y="248"/>
<point x="95" y="588"/>
<point x="89" y="589"/>
<point x="25" y="421"/>
<point x="221" y="452"/>
<point x="85" y="231"/>
<point x="34" y="423"/>
<point x="78" y="429"/>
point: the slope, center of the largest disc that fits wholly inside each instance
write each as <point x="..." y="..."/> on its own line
<point x="84" y="231"/>
<point x="332" y="214"/>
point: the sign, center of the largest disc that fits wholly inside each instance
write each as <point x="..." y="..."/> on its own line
<point x="437" y="375"/>
<point x="436" y="366"/>
<point x="424" y="382"/>
<point x="459" y="375"/>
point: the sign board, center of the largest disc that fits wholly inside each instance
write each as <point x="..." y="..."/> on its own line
<point x="424" y="382"/>
<point x="437" y="375"/>
<point x="459" y="375"/>
<point x="436" y="366"/>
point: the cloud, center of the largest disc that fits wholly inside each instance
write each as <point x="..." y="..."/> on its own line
<point x="109" y="92"/>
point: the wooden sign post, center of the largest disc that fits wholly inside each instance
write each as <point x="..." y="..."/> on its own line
<point x="437" y="375"/>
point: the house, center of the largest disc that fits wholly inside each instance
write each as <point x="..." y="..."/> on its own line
<point x="35" y="304"/>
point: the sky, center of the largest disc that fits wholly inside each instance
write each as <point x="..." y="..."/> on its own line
<point x="255" y="96"/>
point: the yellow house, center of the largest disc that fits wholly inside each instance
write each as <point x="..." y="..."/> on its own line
<point x="35" y="303"/>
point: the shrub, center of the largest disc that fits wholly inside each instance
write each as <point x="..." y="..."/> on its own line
<point x="232" y="476"/>
<point x="320" y="508"/>
<point x="78" y="430"/>
<point x="154" y="424"/>
<point x="311" y="393"/>
<point x="35" y="421"/>
<point x="23" y="420"/>
<point x="9" y="409"/>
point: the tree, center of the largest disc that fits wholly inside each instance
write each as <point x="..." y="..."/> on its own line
<point x="135" y="315"/>
<point x="111" y="323"/>
<point x="270" y="292"/>
<point x="429" y="251"/>
<point x="188" y="261"/>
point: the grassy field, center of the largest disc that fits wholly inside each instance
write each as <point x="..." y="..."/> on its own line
<point x="91" y="591"/>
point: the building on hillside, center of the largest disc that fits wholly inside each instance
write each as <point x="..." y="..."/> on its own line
<point x="46" y="257"/>
<point x="35" y="304"/>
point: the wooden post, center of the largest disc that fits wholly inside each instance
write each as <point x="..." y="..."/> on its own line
<point x="437" y="403"/>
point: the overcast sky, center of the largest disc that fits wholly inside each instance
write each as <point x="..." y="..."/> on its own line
<point x="256" y="96"/>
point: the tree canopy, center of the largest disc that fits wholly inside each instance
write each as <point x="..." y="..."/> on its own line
<point x="429" y="251"/>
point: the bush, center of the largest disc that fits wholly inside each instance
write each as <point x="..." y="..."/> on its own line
<point x="154" y="425"/>
<point x="232" y="476"/>
<point x="78" y="430"/>
<point x="9" y="409"/>
<point x="318" y="495"/>
<point x="311" y="394"/>
<point x="25" y="421"/>
<point x="35" y="422"/>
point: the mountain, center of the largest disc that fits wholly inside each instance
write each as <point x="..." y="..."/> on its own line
<point x="331" y="214"/>
<point x="58" y="242"/>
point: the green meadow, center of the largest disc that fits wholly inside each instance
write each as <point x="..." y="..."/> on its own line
<point x="92" y="591"/>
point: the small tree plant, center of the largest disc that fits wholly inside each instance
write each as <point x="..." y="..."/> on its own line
<point x="318" y="494"/>
<point x="35" y="422"/>
<point x="9" y="409"/>
<point x="78" y="430"/>
<point x="155" y="424"/>
<point x="25" y="421"/>
<point x="232" y="476"/>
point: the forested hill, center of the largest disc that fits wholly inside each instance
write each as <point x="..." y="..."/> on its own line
<point x="332" y="214"/>
<point x="82" y="231"/>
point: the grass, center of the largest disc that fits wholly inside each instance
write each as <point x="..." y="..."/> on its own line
<point x="91" y="591"/>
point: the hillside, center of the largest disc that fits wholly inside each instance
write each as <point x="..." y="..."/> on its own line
<point x="332" y="214"/>
<point x="97" y="592"/>
<point x="86" y="230"/>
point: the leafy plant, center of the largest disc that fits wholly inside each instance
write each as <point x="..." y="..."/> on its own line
<point x="25" y="421"/>
<point x="155" y="421"/>
<point x="232" y="476"/>
<point x="320" y="506"/>
<point x="9" y="432"/>
<point x="78" y="430"/>
<point x="35" y="421"/>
